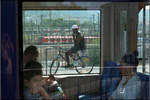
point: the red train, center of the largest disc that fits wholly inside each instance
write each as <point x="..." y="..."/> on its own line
<point x="65" y="39"/>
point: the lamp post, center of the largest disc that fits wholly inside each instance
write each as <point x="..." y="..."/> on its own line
<point x="94" y="22"/>
<point x="32" y="33"/>
<point x="38" y="22"/>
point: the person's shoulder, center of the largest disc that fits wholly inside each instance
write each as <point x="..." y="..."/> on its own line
<point x="136" y="77"/>
<point x="28" y="95"/>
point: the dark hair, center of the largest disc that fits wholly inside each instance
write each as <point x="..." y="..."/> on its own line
<point x="31" y="50"/>
<point x="131" y="59"/>
<point x="52" y="77"/>
<point x="32" y="69"/>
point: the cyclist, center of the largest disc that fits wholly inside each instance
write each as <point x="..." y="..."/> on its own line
<point x="79" y="43"/>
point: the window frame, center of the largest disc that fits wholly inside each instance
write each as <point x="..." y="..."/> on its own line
<point x="71" y="8"/>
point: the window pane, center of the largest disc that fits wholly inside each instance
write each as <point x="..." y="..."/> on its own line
<point x="143" y="40"/>
<point x="49" y="29"/>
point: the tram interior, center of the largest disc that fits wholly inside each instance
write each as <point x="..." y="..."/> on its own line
<point x="112" y="29"/>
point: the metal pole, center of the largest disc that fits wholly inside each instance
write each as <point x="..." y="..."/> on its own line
<point x="41" y="19"/>
<point x="31" y="31"/>
<point x="46" y="61"/>
<point x="149" y="39"/>
<point x="98" y="23"/>
<point x="69" y="25"/>
<point x="94" y="22"/>
<point x="24" y="39"/>
<point x="50" y="18"/>
<point x="33" y="40"/>
<point x="144" y="39"/>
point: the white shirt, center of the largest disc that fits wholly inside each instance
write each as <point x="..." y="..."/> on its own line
<point x="131" y="90"/>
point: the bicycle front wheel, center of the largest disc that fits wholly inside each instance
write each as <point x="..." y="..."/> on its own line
<point x="54" y="66"/>
<point x="83" y="65"/>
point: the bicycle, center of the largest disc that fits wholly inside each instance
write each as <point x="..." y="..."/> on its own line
<point x="82" y="64"/>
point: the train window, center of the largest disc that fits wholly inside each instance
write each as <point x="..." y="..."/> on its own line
<point x="143" y="39"/>
<point x="50" y="31"/>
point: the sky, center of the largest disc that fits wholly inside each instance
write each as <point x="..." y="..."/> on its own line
<point x="82" y="15"/>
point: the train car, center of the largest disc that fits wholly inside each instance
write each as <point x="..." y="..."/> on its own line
<point x="63" y="39"/>
<point x="114" y="65"/>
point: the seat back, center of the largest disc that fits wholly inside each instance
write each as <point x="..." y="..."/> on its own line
<point x="110" y="77"/>
<point x="145" y="88"/>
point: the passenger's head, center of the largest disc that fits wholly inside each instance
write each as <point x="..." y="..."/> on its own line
<point x="32" y="74"/>
<point x="75" y="28"/>
<point x="51" y="79"/>
<point x="128" y="63"/>
<point x="30" y="53"/>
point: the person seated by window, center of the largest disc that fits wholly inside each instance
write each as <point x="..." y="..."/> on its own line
<point x="130" y="85"/>
<point x="33" y="84"/>
<point x="54" y="89"/>
<point x="30" y="53"/>
<point x="51" y="80"/>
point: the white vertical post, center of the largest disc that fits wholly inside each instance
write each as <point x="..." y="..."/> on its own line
<point x="144" y="39"/>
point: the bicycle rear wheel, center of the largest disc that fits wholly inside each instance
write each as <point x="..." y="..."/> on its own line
<point x="83" y="65"/>
<point x="54" y="66"/>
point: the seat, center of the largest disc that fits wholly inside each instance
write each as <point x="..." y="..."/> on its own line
<point x="145" y="94"/>
<point x="109" y="81"/>
<point x="110" y="78"/>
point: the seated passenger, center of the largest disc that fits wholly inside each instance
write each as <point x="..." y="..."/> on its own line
<point x="33" y="88"/>
<point x="30" y="53"/>
<point x="54" y="89"/>
<point x="130" y="85"/>
<point x="51" y="80"/>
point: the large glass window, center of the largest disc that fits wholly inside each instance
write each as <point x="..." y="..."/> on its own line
<point x="49" y="29"/>
<point x="143" y="39"/>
